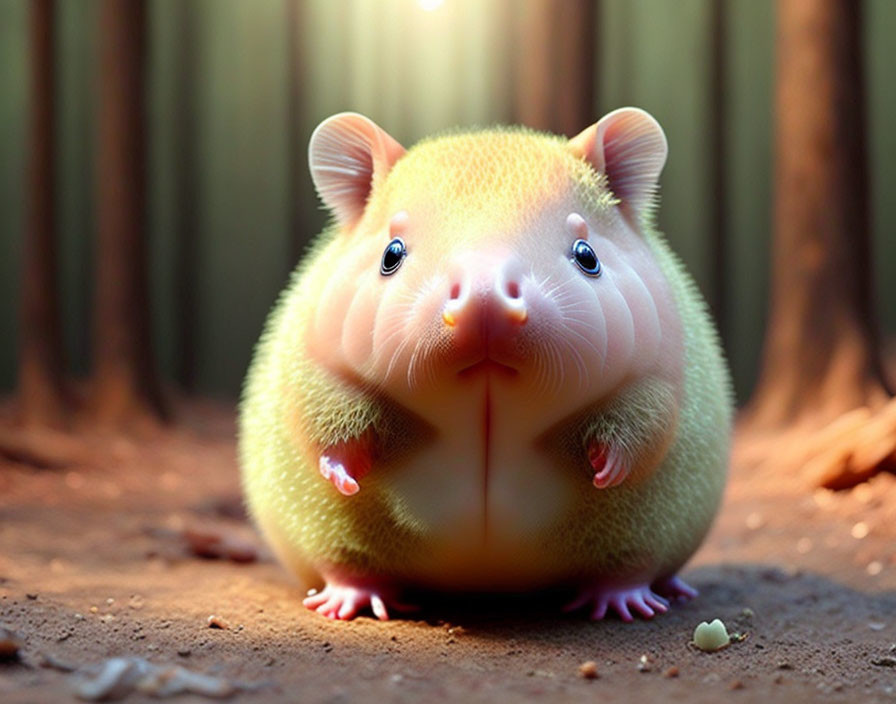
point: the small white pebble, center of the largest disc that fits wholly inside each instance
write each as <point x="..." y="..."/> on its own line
<point x="169" y="481"/>
<point x="755" y="521"/>
<point x="874" y="568"/>
<point x="74" y="480"/>
<point x="860" y="530"/>
<point x="588" y="670"/>
<point x="9" y="645"/>
<point x="215" y="621"/>
<point x="711" y="636"/>
<point x="876" y="626"/>
<point x="176" y="522"/>
<point x="863" y="493"/>
<point x="823" y="497"/>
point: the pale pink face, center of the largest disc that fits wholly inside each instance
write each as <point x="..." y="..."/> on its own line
<point x="426" y="308"/>
<point x="461" y="264"/>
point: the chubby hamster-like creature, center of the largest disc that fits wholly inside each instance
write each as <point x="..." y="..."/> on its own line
<point x="490" y="373"/>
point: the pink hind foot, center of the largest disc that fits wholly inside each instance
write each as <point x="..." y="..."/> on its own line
<point x="345" y="601"/>
<point x="600" y="598"/>
<point x="674" y="589"/>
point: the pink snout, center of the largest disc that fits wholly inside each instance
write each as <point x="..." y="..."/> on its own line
<point x="485" y="298"/>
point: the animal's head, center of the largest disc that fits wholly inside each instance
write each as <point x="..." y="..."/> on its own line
<point x="503" y="252"/>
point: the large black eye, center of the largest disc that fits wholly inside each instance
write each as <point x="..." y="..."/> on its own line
<point x="393" y="256"/>
<point x="584" y="256"/>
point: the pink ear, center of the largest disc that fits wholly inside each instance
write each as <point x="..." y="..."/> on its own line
<point x="629" y="146"/>
<point x="348" y="154"/>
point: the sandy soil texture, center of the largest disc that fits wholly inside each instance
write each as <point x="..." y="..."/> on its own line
<point x="131" y="550"/>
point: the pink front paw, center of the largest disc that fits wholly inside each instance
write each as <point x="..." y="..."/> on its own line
<point x="345" y="464"/>
<point x="345" y="601"/>
<point x="338" y="475"/>
<point x="609" y="465"/>
<point x="623" y="600"/>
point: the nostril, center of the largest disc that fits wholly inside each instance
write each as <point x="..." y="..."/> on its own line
<point x="513" y="289"/>
<point x="454" y="294"/>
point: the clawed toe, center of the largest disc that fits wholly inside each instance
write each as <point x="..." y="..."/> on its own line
<point x="674" y="589"/>
<point x="344" y="602"/>
<point x="625" y="601"/>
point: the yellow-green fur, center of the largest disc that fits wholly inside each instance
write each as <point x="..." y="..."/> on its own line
<point x="660" y="522"/>
<point x="291" y="407"/>
<point x="464" y="172"/>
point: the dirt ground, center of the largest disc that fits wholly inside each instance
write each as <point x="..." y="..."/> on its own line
<point x="104" y="558"/>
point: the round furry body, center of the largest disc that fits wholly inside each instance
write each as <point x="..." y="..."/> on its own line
<point x="485" y="413"/>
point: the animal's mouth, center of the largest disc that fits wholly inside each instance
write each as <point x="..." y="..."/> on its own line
<point x="488" y="355"/>
<point x="487" y="365"/>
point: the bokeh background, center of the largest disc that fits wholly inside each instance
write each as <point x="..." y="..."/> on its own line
<point x="235" y="87"/>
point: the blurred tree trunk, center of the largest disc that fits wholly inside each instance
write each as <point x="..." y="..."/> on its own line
<point x="41" y="394"/>
<point x="297" y="159"/>
<point x="574" y="40"/>
<point x="555" y="65"/>
<point x="125" y="385"/>
<point x="187" y="226"/>
<point x="533" y="57"/>
<point x="718" y="289"/>
<point x="821" y="356"/>
<point x="43" y="402"/>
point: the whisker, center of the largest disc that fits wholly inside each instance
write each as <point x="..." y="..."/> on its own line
<point x="425" y="362"/>
<point x="411" y="373"/>
<point x="395" y="355"/>
<point x="568" y="325"/>
<point x="541" y="371"/>
<point x="581" y="367"/>
<point x="558" y="373"/>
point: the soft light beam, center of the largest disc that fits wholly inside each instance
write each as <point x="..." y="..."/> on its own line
<point x="430" y="5"/>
